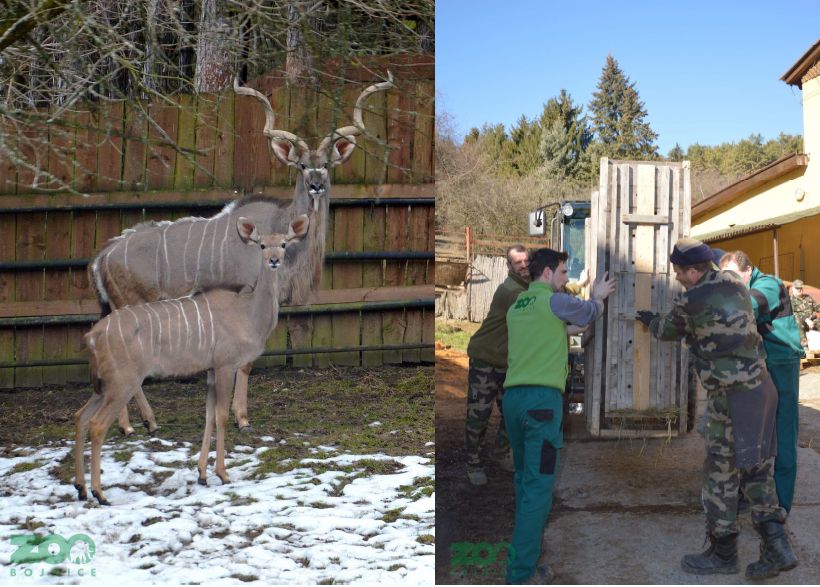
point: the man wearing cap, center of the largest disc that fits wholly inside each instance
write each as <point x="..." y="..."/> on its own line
<point x="487" y="351"/>
<point x="804" y="310"/>
<point x="714" y="314"/>
<point x="781" y="340"/>
<point x="533" y="404"/>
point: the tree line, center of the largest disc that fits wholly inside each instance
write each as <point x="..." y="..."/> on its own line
<point x="61" y="56"/>
<point x="492" y="179"/>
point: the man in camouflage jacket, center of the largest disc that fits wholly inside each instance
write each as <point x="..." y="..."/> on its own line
<point x="715" y="317"/>
<point x="487" y="350"/>
<point x="804" y="309"/>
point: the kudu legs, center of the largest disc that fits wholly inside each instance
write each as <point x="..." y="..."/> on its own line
<point x="96" y="417"/>
<point x="220" y="386"/>
<point x="239" y="406"/>
<point x="101" y="410"/>
<point x="148" y="418"/>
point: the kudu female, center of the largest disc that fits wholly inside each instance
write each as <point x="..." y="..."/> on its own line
<point x="218" y="331"/>
<point x="156" y="261"/>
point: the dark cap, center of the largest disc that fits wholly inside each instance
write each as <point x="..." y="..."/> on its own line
<point x="717" y="255"/>
<point x="690" y="251"/>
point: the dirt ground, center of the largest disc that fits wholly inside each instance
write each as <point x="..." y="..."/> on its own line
<point x="623" y="511"/>
<point x="387" y="410"/>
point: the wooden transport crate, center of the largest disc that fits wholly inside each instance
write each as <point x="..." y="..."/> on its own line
<point x="636" y="385"/>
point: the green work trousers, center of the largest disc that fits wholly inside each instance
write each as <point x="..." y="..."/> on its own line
<point x="786" y="378"/>
<point x="532" y="415"/>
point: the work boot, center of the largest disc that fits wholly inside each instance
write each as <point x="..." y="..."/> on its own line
<point x="504" y="461"/>
<point x="776" y="553"/>
<point x="476" y="475"/>
<point x="719" y="558"/>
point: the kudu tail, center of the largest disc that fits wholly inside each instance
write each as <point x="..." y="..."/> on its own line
<point x="95" y="278"/>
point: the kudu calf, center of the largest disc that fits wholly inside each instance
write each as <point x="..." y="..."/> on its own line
<point x="219" y="331"/>
<point x="165" y="260"/>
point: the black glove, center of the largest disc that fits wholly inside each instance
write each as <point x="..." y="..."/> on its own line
<point x="646" y="316"/>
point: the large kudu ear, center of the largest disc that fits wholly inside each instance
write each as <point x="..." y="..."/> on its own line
<point x="286" y="146"/>
<point x="247" y="230"/>
<point x="298" y="228"/>
<point x="286" y="151"/>
<point x="342" y="150"/>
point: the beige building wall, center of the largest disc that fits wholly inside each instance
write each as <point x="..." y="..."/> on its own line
<point x="780" y="197"/>
<point x="811" y="138"/>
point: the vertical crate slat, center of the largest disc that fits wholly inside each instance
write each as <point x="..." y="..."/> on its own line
<point x="640" y="210"/>
<point x="619" y="345"/>
<point x="644" y="258"/>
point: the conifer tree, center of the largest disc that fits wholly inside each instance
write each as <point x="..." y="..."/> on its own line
<point x="565" y="136"/>
<point x="619" y="117"/>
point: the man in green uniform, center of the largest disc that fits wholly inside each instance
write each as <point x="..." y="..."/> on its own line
<point x="487" y="350"/>
<point x="536" y="376"/>
<point x="804" y="310"/>
<point x="715" y="316"/>
<point x="781" y="339"/>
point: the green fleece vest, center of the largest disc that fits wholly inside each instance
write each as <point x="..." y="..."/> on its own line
<point x="489" y="343"/>
<point x="538" y="350"/>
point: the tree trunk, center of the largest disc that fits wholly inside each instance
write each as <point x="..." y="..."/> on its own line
<point x="299" y="60"/>
<point x="214" y="65"/>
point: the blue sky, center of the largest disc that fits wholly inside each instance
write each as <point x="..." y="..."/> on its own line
<point x="707" y="72"/>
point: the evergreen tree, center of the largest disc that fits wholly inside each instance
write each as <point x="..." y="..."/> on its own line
<point x="676" y="153"/>
<point x="565" y="137"/>
<point x="525" y="146"/>
<point x="619" y="117"/>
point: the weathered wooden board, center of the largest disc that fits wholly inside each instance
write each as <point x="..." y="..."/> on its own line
<point x="633" y="381"/>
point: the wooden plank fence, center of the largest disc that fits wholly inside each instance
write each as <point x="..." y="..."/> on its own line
<point x="152" y="161"/>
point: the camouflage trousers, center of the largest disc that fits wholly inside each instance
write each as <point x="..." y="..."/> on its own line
<point x="723" y="481"/>
<point x="485" y="387"/>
